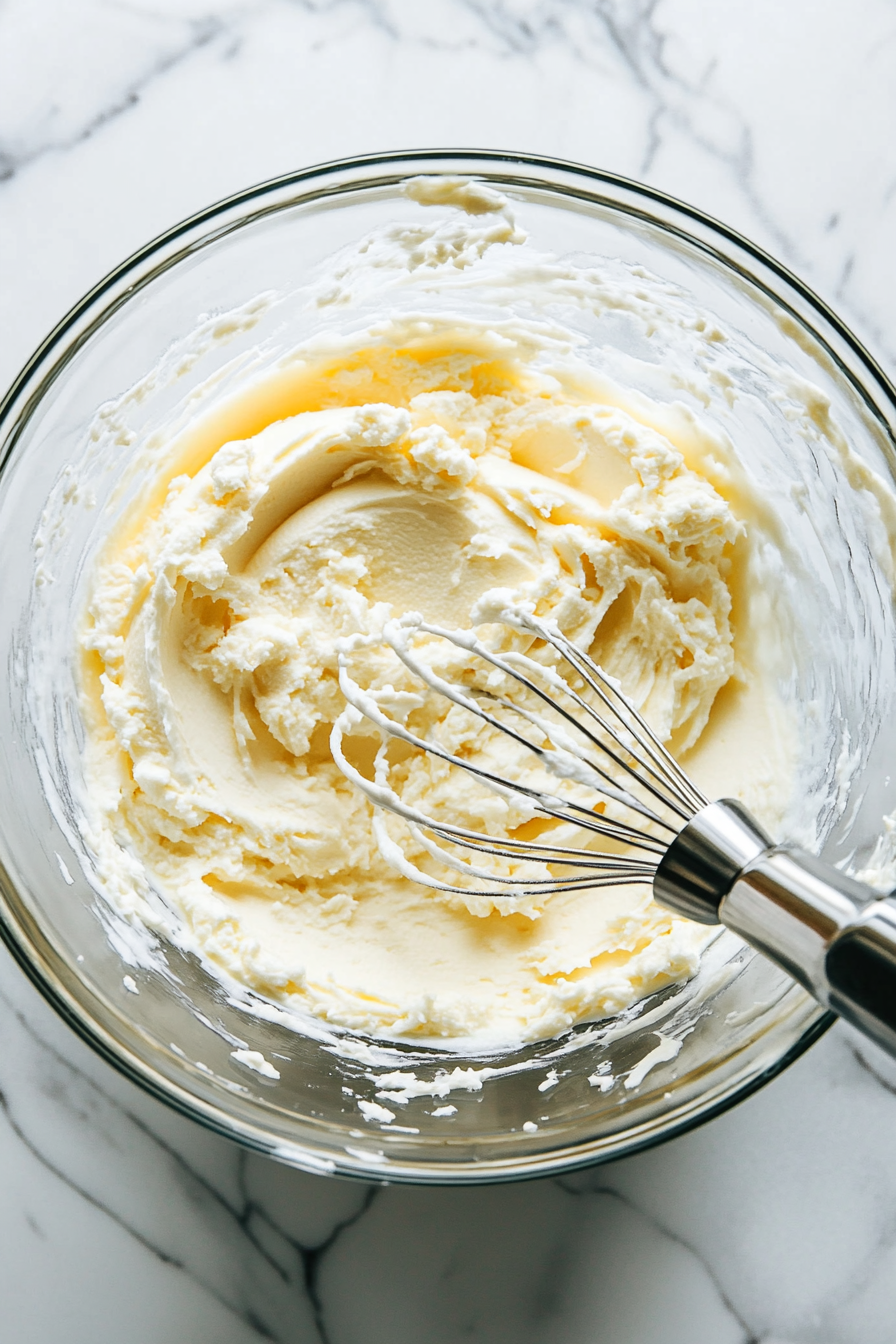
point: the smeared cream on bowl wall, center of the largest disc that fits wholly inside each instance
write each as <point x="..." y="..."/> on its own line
<point x="416" y="463"/>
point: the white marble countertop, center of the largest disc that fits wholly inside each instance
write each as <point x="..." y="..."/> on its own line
<point x="122" y="1221"/>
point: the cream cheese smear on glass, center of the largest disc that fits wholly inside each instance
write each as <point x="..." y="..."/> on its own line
<point x="420" y="458"/>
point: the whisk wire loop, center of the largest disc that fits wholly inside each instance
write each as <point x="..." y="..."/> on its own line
<point x="667" y="768"/>
<point x="628" y="745"/>
<point x="675" y="790"/>
<point x="548" y="804"/>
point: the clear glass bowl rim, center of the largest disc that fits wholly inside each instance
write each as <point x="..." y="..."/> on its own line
<point x="55" y="979"/>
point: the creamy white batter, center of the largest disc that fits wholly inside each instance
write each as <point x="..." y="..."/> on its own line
<point x="416" y="464"/>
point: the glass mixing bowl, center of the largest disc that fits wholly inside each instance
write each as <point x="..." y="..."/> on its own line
<point x="68" y="437"/>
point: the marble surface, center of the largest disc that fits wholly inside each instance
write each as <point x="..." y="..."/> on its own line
<point x="119" y="1220"/>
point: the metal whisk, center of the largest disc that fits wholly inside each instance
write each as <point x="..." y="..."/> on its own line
<point x="602" y="770"/>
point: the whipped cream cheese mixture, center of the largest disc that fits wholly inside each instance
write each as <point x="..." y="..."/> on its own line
<point x="415" y="463"/>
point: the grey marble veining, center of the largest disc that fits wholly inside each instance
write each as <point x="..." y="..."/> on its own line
<point x="119" y="1219"/>
<point x="119" y="120"/>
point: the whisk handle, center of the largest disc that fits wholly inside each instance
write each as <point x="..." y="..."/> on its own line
<point x="861" y="971"/>
<point x="834" y="935"/>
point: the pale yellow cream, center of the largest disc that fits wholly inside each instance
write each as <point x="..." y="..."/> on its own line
<point x="415" y="466"/>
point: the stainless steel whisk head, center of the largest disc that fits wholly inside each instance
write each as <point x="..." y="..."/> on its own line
<point x="579" y="728"/>
<point x="590" y="764"/>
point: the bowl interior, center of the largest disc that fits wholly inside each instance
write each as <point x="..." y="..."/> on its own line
<point x="808" y="414"/>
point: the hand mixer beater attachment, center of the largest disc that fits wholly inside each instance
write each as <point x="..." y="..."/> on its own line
<point x="610" y="804"/>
